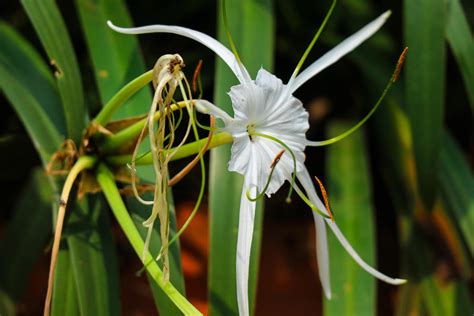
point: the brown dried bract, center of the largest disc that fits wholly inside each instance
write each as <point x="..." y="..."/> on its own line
<point x="63" y="159"/>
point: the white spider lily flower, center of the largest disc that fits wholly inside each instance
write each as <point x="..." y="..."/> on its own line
<point x="266" y="117"/>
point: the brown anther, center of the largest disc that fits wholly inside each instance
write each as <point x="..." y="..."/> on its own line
<point x="277" y="158"/>
<point x="400" y="63"/>
<point x="176" y="64"/>
<point x="196" y="74"/>
<point x="325" y="197"/>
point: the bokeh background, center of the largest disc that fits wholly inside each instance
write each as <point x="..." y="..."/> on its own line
<point x="401" y="187"/>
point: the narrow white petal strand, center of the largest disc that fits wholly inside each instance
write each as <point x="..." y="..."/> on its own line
<point x="358" y="259"/>
<point x="206" y="107"/>
<point x="322" y="252"/>
<point x="308" y="185"/>
<point x="337" y="52"/>
<point x="244" y="245"/>
<point x="214" y="45"/>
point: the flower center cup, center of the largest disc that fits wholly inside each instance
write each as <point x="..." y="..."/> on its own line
<point x="251" y="130"/>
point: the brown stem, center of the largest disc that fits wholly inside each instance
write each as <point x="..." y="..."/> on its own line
<point x="180" y="175"/>
<point x="84" y="162"/>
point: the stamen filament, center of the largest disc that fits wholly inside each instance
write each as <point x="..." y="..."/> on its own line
<point x="229" y="36"/>
<point x="311" y="205"/>
<point x="202" y="126"/>
<point x="203" y="180"/>
<point x="273" y="165"/>
<point x="392" y="80"/>
<point x="191" y="165"/>
<point x="197" y="73"/>
<point x="315" y="38"/>
<point x="293" y="177"/>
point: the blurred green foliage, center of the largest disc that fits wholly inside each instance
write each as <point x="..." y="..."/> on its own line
<point x="414" y="160"/>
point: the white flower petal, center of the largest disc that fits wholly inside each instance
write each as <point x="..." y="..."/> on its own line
<point x="322" y="250"/>
<point x="308" y="185"/>
<point x="241" y="154"/>
<point x="247" y="102"/>
<point x="358" y="259"/>
<point x="337" y="52"/>
<point x="255" y="157"/>
<point x="206" y="107"/>
<point x="322" y="253"/>
<point x="244" y="245"/>
<point x="214" y="45"/>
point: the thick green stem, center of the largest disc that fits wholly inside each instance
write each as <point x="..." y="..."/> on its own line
<point x="112" y="194"/>
<point x="123" y="95"/>
<point x="131" y="132"/>
<point x="184" y="151"/>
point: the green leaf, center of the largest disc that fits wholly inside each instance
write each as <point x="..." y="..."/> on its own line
<point x="93" y="258"/>
<point x="50" y="27"/>
<point x="350" y="195"/>
<point x="64" y="295"/>
<point x="26" y="236"/>
<point x="116" y="57"/>
<point x="460" y="40"/>
<point x="109" y="187"/>
<point x="457" y="188"/>
<point x="30" y="89"/>
<point x="252" y="27"/>
<point x="22" y="61"/>
<point x="7" y="307"/>
<point x="425" y="87"/>
<point x="457" y="298"/>
<point x="139" y="214"/>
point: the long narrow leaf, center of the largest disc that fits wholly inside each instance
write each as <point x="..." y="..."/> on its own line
<point x="50" y="27"/>
<point x="115" y="56"/>
<point x="30" y="89"/>
<point x="24" y="63"/>
<point x="457" y="188"/>
<point x="350" y="196"/>
<point x="460" y="40"/>
<point x="252" y="27"/>
<point x="65" y="295"/>
<point x="93" y="259"/>
<point x="425" y="83"/>
<point x="26" y="236"/>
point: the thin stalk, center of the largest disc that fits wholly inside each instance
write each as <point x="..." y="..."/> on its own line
<point x="180" y="175"/>
<point x="313" y="41"/>
<point x="183" y="152"/>
<point x="112" y="195"/>
<point x="115" y="141"/>
<point x="85" y="162"/>
<point x="122" y="96"/>
<point x="345" y="134"/>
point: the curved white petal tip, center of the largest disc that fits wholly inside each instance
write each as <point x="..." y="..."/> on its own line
<point x="111" y="25"/>
<point x="399" y="281"/>
<point x="387" y="14"/>
<point x="206" y="107"/>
